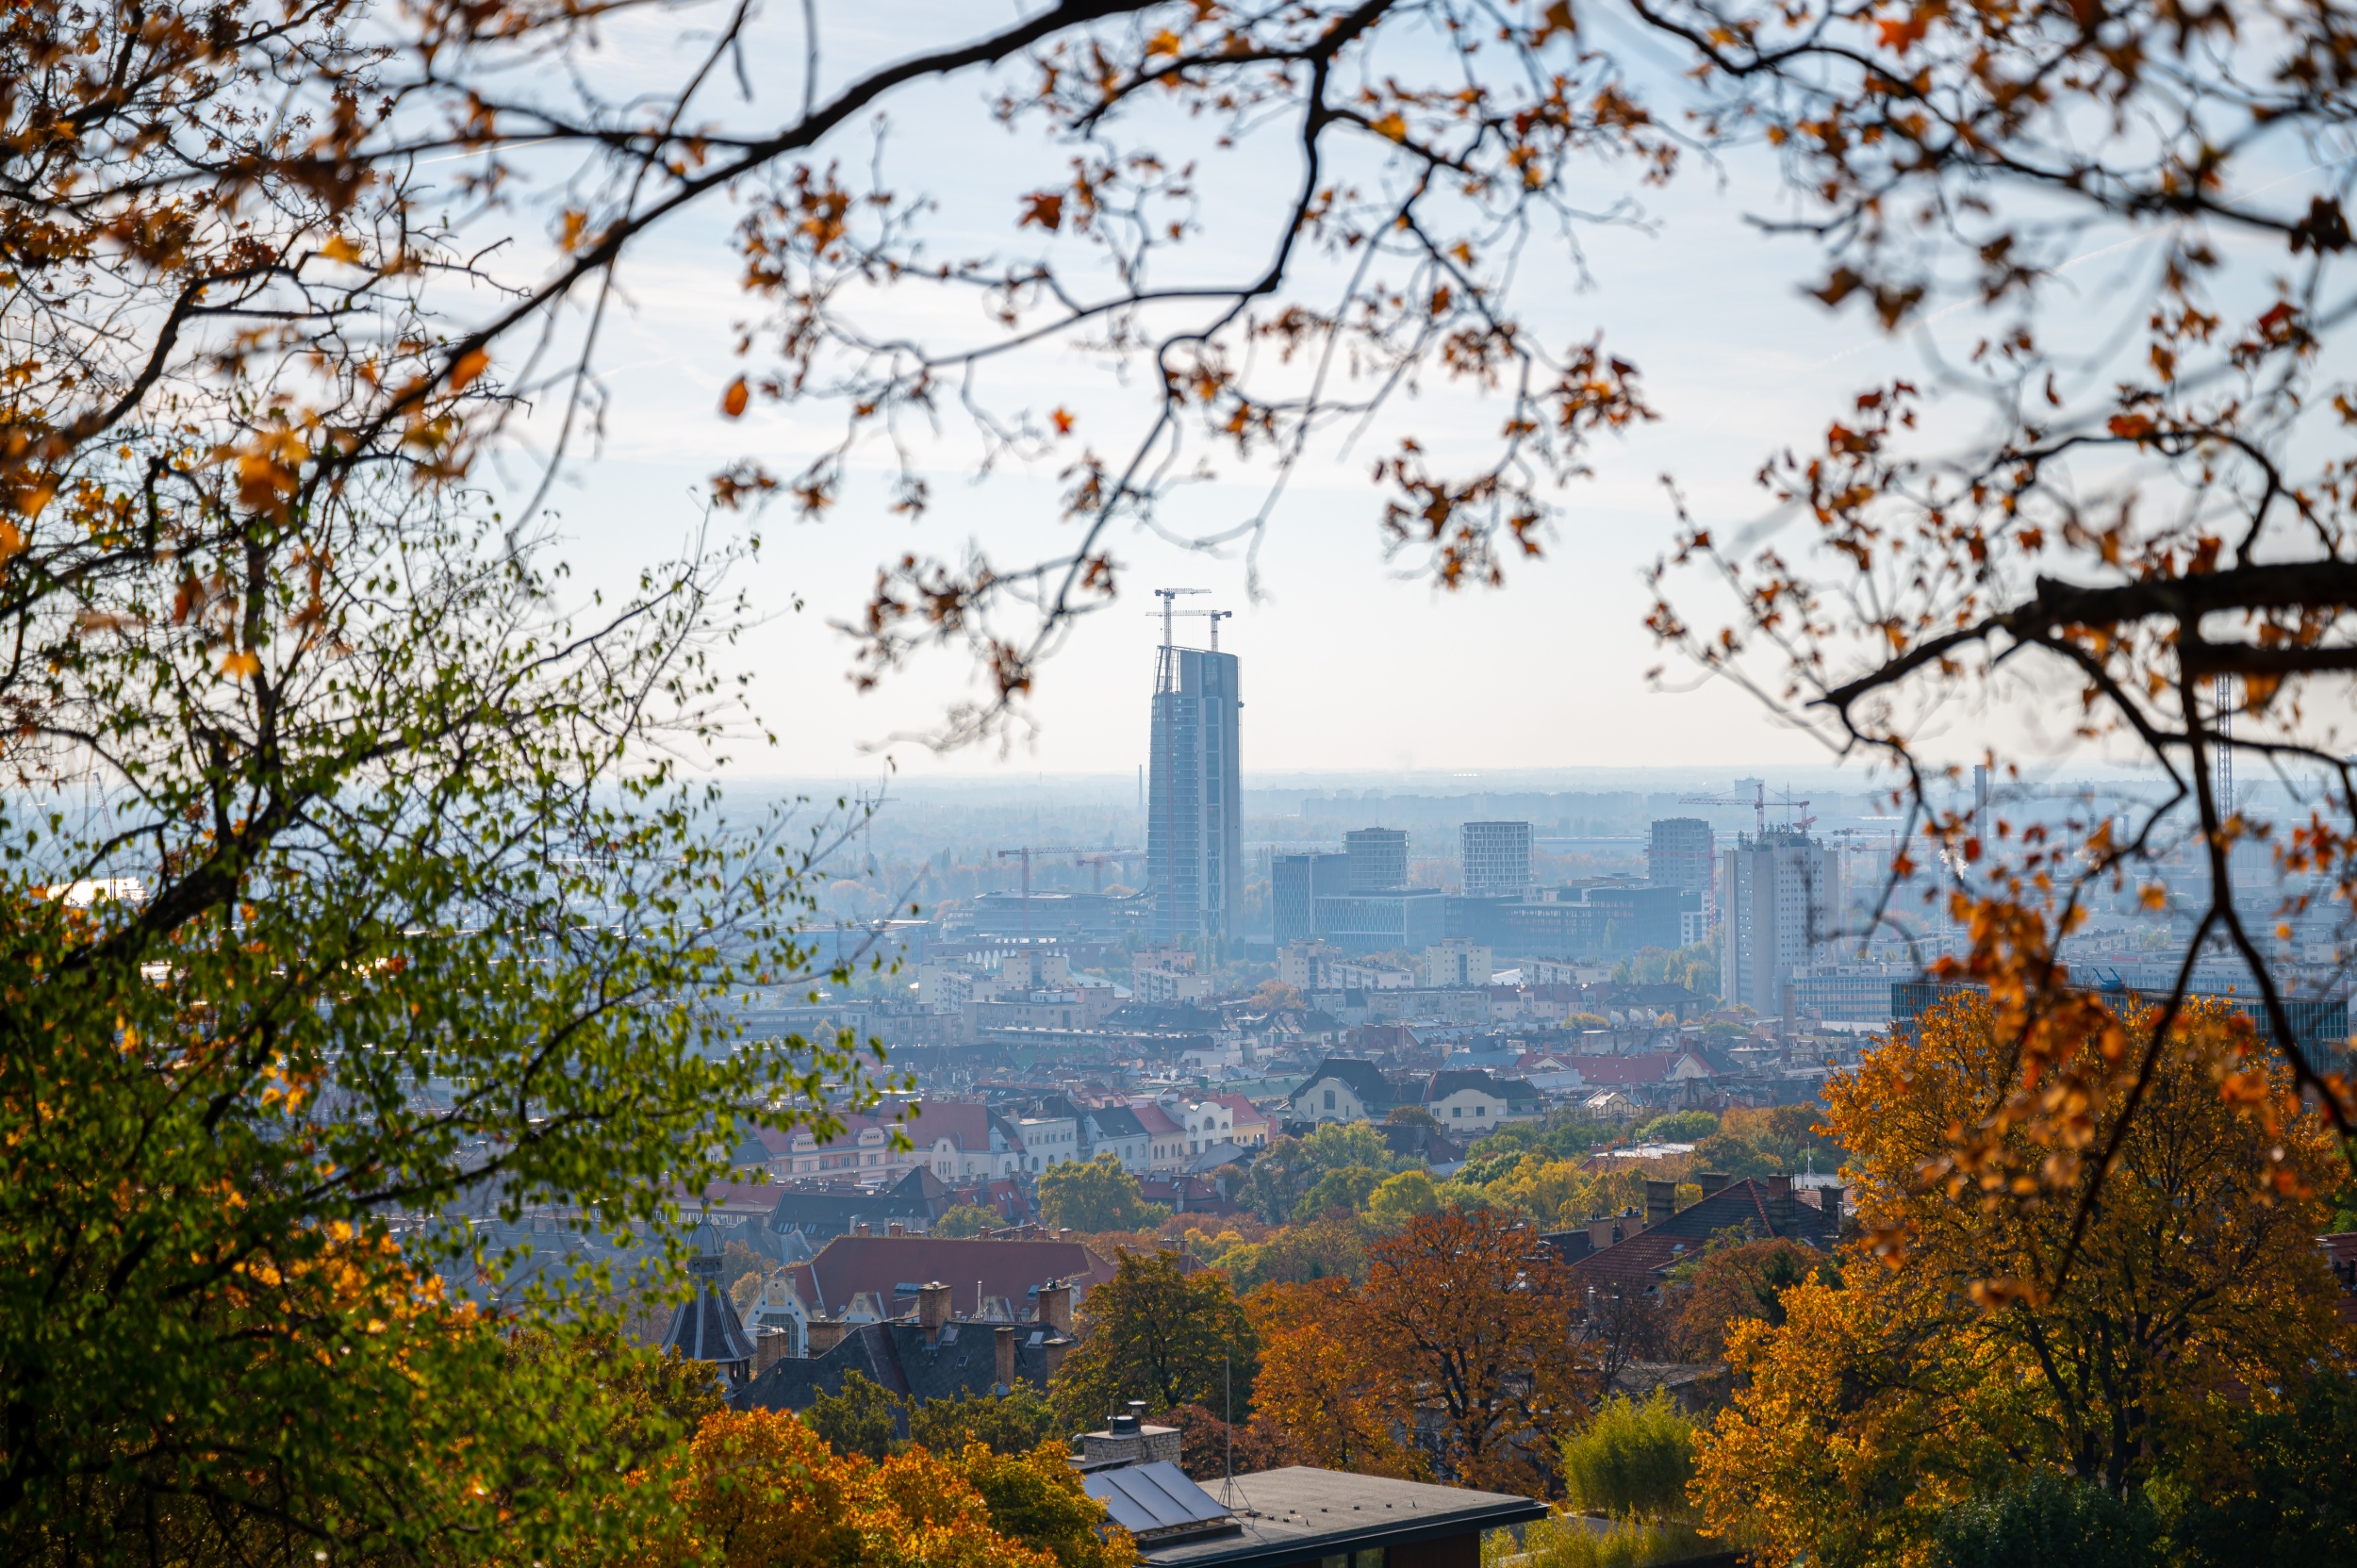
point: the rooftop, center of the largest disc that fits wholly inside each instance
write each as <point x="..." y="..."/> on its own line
<point x="1286" y="1516"/>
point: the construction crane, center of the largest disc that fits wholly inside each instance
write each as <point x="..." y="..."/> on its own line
<point x="1758" y="803"/>
<point x="1085" y="853"/>
<point x="1215" y="616"/>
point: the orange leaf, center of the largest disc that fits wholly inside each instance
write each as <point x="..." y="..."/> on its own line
<point x="1046" y="209"/>
<point x="341" y="249"/>
<point x="241" y="664"/>
<point x="1392" y="126"/>
<point x="1063" y="421"/>
<point x="733" y="401"/>
<point x="470" y="366"/>
<point x="2130" y="427"/>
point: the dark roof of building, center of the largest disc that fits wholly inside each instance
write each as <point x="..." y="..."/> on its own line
<point x="882" y="1265"/>
<point x="1300" y="1514"/>
<point x="1116" y="1121"/>
<point x="1448" y="1080"/>
<point x="1359" y="1076"/>
<point x="1751" y="1206"/>
<point x="833" y="1204"/>
<point x="902" y="1358"/>
<point x="705" y="1329"/>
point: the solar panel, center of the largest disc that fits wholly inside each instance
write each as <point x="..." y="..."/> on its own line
<point x="1154" y="1500"/>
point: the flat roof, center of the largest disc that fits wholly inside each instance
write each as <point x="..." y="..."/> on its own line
<point x="1298" y="1512"/>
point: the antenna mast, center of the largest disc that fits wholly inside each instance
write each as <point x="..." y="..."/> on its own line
<point x="2222" y="693"/>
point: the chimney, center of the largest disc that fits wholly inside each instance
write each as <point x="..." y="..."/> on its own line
<point x="1779" y="1203"/>
<point x="1661" y="1201"/>
<point x="859" y="1228"/>
<point x="1054" y="1351"/>
<point x="825" y="1335"/>
<point x="1712" y="1181"/>
<point x="1006" y="1359"/>
<point x="1055" y="1305"/>
<point x="1829" y="1201"/>
<point x="770" y="1346"/>
<point x="1600" y="1233"/>
<point x="896" y="1228"/>
<point x="933" y="1307"/>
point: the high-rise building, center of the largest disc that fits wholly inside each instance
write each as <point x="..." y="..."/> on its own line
<point x="1377" y="857"/>
<point x="1684" y="855"/>
<point x="1496" y="859"/>
<point x="1779" y="897"/>
<point x="1295" y="884"/>
<point x="1193" y="823"/>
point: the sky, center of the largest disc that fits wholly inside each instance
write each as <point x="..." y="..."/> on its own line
<point x="1349" y="661"/>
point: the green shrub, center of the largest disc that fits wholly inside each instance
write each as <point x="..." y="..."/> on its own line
<point x="1679" y="1127"/>
<point x="2049" y="1522"/>
<point x="1632" y="1460"/>
<point x="1011" y="1423"/>
<point x="1576" y="1542"/>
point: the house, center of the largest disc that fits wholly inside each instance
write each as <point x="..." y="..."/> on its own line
<point x="877" y="1277"/>
<point x="1205" y="1122"/>
<point x="1187" y="1194"/>
<point x="1165" y="1140"/>
<point x="1469" y="1101"/>
<point x="1297" y="1515"/>
<point x="1624" y="1257"/>
<point x="928" y="1353"/>
<point x="1608" y="1105"/>
<point x="823" y="1207"/>
<point x="965" y="1141"/>
<point x="1343" y="1089"/>
<point x="1246" y="1125"/>
<point x="1115" y="1130"/>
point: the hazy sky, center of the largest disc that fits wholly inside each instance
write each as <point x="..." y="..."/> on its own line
<point x="1346" y="664"/>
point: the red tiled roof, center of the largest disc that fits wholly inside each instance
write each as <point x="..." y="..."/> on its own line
<point x="1154" y="1119"/>
<point x="849" y="1264"/>
<point x="965" y="1123"/>
<point x="1243" y="1107"/>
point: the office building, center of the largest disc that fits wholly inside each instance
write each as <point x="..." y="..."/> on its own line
<point x="1399" y="919"/>
<point x="1194" y="824"/>
<point x="1377" y="859"/>
<point x="1457" y="962"/>
<point x="1496" y="859"/>
<point x="1684" y="855"/>
<point x="1779" y="895"/>
<point x="1295" y="885"/>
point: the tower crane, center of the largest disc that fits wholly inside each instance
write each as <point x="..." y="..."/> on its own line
<point x="1083" y="853"/>
<point x="1215" y="616"/>
<point x="1758" y="803"/>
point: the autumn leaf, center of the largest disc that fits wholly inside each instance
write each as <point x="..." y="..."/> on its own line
<point x="733" y="401"/>
<point x="1557" y="18"/>
<point x="241" y="664"/>
<point x="1043" y="207"/>
<point x="1391" y="127"/>
<point x="339" y="248"/>
<point x="470" y="366"/>
<point x="2130" y="427"/>
<point x="1902" y="36"/>
<point x="1063" y="421"/>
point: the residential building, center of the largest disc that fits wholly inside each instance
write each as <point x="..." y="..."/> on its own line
<point x="1683" y="854"/>
<point x="1048" y="1140"/>
<point x="1496" y="858"/>
<point x="989" y="1278"/>
<point x="1620" y="1257"/>
<point x="1162" y="976"/>
<point x="1457" y="962"/>
<point x="821" y="1207"/>
<point x="962" y="1141"/>
<point x="1345" y="1089"/>
<point x="1195" y="821"/>
<point x="1165" y="1139"/>
<point x="1468" y="1102"/>
<point x="1295" y="885"/>
<point x="1247" y="1126"/>
<point x="1115" y="1130"/>
<point x="1366" y="974"/>
<point x="1296" y="1515"/>
<point x="1303" y="966"/>
<point x="1375" y="859"/>
<point x="1201" y="1122"/>
<point x="1780" y="896"/>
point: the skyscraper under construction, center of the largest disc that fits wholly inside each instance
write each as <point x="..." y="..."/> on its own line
<point x="1194" y="822"/>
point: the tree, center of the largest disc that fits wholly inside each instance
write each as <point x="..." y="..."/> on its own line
<point x="860" y="1418"/>
<point x="1332" y="1246"/>
<point x="1732" y="1154"/>
<point x="1096" y="1195"/>
<point x="1402" y="1198"/>
<point x="967" y="1219"/>
<point x="758" y="1489"/>
<point x="2048" y="1522"/>
<point x="1466" y="1311"/>
<point x="1347" y="1189"/>
<point x="2279" y="1493"/>
<point x="1679" y="1127"/>
<point x="1631" y="1461"/>
<point x="1155" y="1333"/>
<point x="1323" y="1399"/>
<point x="1734" y="1281"/>
<point x="1411" y="1115"/>
<point x="1014" y="1422"/>
<point x="1942" y="1367"/>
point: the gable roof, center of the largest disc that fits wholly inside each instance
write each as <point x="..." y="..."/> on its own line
<point x="1448" y="1080"/>
<point x="847" y="1266"/>
<point x="1357" y="1074"/>
<point x="1117" y="1121"/>
<point x="1153" y="1119"/>
<point x="1641" y="1260"/>
<point x="1245" y="1112"/>
<point x="965" y="1123"/>
<point x="962" y="1359"/>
